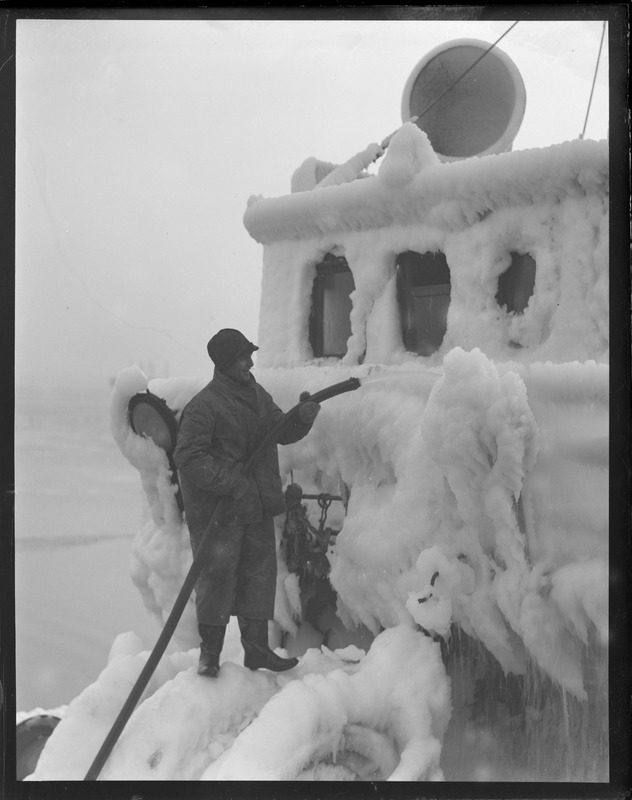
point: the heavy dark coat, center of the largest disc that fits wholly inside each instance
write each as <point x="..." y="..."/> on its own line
<point x="219" y="428"/>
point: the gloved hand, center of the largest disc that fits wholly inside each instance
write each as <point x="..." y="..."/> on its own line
<point x="242" y="484"/>
<point x="246" y="501"/>
<point x="308" y="412"/>
<point x="293" y="495"/>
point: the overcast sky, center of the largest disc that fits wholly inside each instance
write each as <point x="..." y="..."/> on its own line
<point x="139" y="143"/>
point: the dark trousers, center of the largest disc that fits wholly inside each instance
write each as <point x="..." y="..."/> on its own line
<point x="239" y="574"/>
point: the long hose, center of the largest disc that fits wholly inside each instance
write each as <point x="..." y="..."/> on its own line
<point x="194" y="571"/>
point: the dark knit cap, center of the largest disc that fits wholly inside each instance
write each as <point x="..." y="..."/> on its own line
<point x="227" y="346"/>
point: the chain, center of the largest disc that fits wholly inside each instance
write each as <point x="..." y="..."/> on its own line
<point x="324" y="501"/>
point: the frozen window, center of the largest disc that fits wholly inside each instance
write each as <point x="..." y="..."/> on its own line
<point x="515" y="285"/>
<point x="330" y="325"/>
<point x="423" y="288"/>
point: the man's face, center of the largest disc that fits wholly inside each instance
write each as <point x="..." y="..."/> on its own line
<point x="239" y="370"/>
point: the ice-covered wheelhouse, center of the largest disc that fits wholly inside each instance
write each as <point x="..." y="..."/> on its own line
<point x="469" y="285"/>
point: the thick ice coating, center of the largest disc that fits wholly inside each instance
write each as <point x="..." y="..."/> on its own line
<point x="473" y="549"/>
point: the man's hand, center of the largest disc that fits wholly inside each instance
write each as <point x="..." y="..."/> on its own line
<point x="246" y="500"/>
<point x="308" y="412"/>
<point x="241" y="481"/>
<point x="293" y="495"/>
<point x="242" y="485"/>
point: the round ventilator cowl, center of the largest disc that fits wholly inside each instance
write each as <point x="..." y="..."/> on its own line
<point x="480" y="114"/>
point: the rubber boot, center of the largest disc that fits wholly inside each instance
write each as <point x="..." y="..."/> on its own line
<point x="210" y="649"/>
<point x="257" y="654"/>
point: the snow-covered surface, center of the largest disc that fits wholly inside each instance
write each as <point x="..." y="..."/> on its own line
<point x="478" y="507"/>
<point x="413" y="186"/>
<point x="261" y="726"/>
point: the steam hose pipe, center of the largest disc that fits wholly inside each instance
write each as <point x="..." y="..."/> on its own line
<point x="194" y="571"/>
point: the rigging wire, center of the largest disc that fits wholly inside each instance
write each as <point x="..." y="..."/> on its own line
<point x="592" y="88"/>
<point x="452" y="85"/>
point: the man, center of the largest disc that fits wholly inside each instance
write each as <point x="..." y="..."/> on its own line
<point x="219" y="429"/>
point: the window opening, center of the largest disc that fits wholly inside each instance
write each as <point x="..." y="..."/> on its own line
<point x="330" y="322"/>
<point x="423" y="288"/>
<point x="516" y="284"/>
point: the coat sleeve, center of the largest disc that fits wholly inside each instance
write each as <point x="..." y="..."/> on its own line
<point x="193" y="455"/>
<point x="293" y="431"/>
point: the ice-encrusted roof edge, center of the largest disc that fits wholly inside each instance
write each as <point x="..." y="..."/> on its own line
<point x="449" y="195"/>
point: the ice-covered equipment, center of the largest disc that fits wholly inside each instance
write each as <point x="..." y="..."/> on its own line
<point x="31" y="736"/>
<point x="151" y="417"/>
<point x="475" y="98"/>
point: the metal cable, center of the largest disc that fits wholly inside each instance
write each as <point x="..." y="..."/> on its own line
<point x="592" y="89"/>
